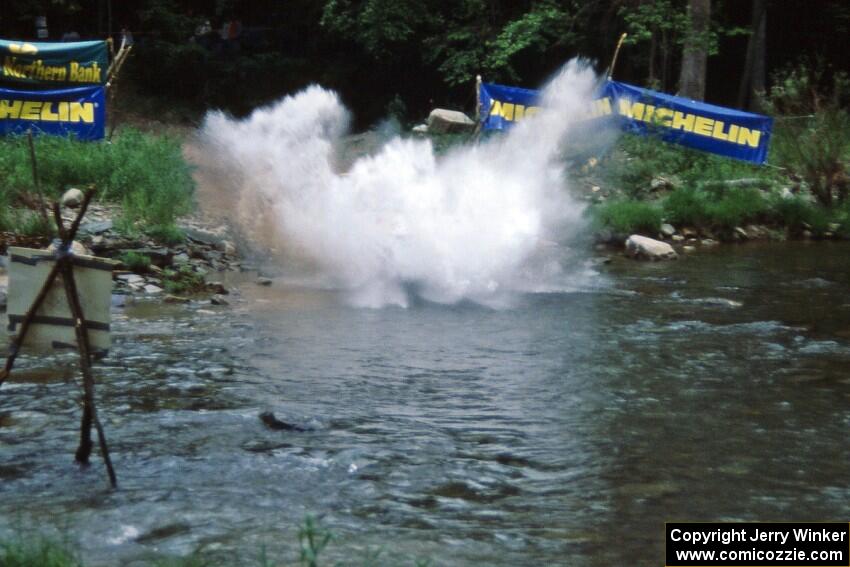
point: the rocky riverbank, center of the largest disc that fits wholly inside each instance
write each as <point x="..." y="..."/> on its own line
<point x="149" y="269"/>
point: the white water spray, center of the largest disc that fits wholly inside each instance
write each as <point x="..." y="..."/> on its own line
<point x="474" y="224"/>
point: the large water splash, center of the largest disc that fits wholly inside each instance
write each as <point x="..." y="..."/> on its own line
<point x="480" y="223"/>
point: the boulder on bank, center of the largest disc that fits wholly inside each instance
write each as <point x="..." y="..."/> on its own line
<point x="643" y="248"/>
<point x="443" y="121"/>
<point x="72" y="198"/>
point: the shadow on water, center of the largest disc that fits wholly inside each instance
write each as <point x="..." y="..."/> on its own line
<point x="564" y="430"/>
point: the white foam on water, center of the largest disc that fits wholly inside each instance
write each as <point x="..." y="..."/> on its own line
<point x="481" y="223"/>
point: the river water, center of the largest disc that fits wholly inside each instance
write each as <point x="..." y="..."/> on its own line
<point x="564" y="430"/>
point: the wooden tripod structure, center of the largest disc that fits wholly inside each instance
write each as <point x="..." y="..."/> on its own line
<point x="64" y="266"/>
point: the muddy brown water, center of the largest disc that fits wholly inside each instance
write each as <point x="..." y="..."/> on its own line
<point x="562" y="431"/>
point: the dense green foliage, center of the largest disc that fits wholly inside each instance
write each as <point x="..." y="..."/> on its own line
<point x="423" y="52"/>
<point x="626" y="217"/>
<point x="145" y="173"/>
<point x="812" y="137"/>
<point x="708" y="192"/>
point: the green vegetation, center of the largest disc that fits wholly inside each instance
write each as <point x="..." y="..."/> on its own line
<point x="723" y="210"/>
<point x="38" y="552"/>
<point x="145" y="173"/>
<point x="183" y="281"/>
<point x="626" y="217"/>
<point x="313" y="538"/>
<point x="812" y="136"/>
<point x="136" y="262"/>
<point x="657" y="182"/>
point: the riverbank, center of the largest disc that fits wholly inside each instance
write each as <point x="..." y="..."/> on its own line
<point x="647" y="187"/>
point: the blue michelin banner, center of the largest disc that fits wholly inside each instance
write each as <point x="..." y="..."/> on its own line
<point x="79" y="111"/>
<point x="706" y="127"/>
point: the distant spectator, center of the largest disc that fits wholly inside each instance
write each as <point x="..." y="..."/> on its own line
<point x="71" y="36"/>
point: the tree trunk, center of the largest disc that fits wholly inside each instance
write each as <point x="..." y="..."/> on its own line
<point x="753" y="78"/>
<point x="695" y="51"/>
<point x="652" y="62"/>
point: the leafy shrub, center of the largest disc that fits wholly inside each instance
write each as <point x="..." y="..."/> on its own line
<point x="812" y="134"/>
<point x="797" y="213"/>
<point x="136" y="262"/>
<point x="32" y="224"/>
<point x="722" y="210"/>
<point x="736" y="207"/>
<point x="183" y="281"/>
<point x="168" y="234"/>
<point x="648" y="157"/>
<point x="626" y="217"/>
<point x="686" y="206"/>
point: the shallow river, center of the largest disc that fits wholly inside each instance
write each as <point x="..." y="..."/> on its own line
<point x="562" y="431"/>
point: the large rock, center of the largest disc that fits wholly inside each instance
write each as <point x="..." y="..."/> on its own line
<point x="443" y="121"/>
<point x="644" y="248"/>
<point x="202" y="236"/>
<point x="72" y="198"/>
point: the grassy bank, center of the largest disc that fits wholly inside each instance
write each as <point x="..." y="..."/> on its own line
<point x="649" y="182"/>
<point x="803" y="190"/>
<point x="145" y="173"/>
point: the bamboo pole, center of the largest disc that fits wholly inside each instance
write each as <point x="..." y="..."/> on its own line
<point x="616" y="53"/>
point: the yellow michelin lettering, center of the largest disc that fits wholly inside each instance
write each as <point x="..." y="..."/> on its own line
<point x="31" y="110"/>
<point x="677" y="120"/>
<point x="749" y="137"/>
<point x="703" y="126"/>
<point x="683" y="121"/>
<point x="663" y="116"/>
<point x="717" y="133"/>
<point x="39" y="111"/>
<point x="511" y="111"/>
<point x="10" y="108"/>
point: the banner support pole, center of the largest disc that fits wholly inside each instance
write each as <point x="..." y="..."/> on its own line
<point x="616" y="53"/>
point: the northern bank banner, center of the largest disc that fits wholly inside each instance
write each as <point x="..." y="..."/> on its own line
<point x="77" y="63"/>
<point x="706" y="127"/>
<point x="80" y="112"/>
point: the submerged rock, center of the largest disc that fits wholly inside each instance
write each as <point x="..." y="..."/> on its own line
<point x="269" y="419"/>
<point x="644" y="248"/>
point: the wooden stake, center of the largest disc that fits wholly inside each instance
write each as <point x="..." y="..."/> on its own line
<point x="64" y="265"/>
